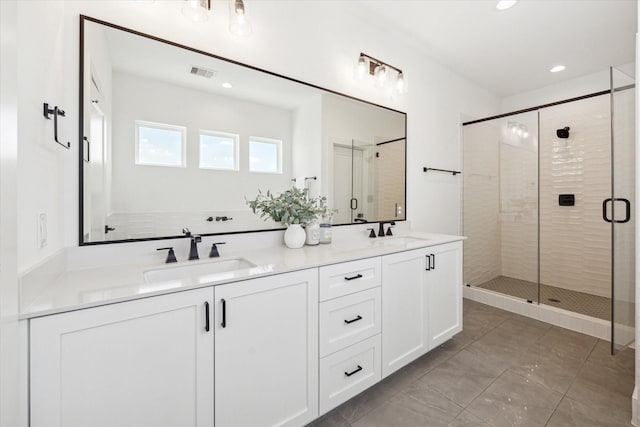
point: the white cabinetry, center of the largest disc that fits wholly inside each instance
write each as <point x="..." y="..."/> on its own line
<point x="140" y="363"/>
<point x="421" y="302"/>
<point x="267" y="351"/>
<point x="444" y="281"/>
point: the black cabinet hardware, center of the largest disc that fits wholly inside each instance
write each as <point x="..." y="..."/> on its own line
<point x="358" y="369"/>
<point x="206" y="316"/>
<point x="428" y="267"/>
<point x="224" y="313"/>
<point x="353" y="320"/>
<point x="353" y="203"/>
<point x="433" y="263"/>
<point x="357" y="276"/>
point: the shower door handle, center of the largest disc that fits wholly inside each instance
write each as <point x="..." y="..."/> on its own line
<point x="627" y="216"/>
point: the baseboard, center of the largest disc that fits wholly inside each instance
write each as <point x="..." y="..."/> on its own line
<point x="634" y="408"/>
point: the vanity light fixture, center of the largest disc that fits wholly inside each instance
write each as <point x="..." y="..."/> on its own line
<point x="368" y="65"/>
<point x="506" y="4"/>
<point x="196" y="10"/>
<point x="557" y="68"/>
<point x="238" y="22"/>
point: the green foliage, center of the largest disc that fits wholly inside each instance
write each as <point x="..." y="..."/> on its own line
<point x="294" y="206"/>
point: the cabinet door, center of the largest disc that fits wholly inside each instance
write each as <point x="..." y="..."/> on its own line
<point x="140" y="363"/>
<point x="444" y="282"/>
<point x="404" y="309"/>
<point x="267" y="351"/>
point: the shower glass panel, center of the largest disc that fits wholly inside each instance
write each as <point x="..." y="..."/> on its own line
<point x="622" y="208"/>
<point x="575" y="179"/>
<point x="500" y="205"/>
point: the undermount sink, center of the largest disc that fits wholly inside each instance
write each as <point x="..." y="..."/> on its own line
<point x="396" y="240"/>
<point x="197" y="269"/>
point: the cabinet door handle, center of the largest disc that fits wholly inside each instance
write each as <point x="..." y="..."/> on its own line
<point x="355" y="371"/>
<point x="206" y="316"/>
<point x="353" y="320"/>
<point x="428" y="257"/>
<point x="433" y="264"/>
<point x="357" y="276"/>
<point x="224" y="313"/>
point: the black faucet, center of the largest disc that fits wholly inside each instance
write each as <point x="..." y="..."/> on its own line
<point x="195" y="239"/>
<point x="171" y="255"/>
<point x="372" y="234"/>
<point x="214" y="250"/>
<point x="381" y="229"/>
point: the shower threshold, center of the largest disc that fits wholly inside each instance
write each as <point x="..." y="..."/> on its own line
<point x="577" y="302"/>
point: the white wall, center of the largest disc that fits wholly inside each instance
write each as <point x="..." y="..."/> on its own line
<point x="282" y="42"/>
<point x="10" y="399"/>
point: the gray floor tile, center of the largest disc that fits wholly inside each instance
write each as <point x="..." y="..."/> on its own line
<point x="331" y="419"/>
<point x="365" y="402"/>
<point x="392" y="414"/>
<point x="547" y="368"/>
<point x="601" y="385"/>
<point x="459" y="386"/>
<point x="422" y="399"/>
<point x="623" y="360"/>
<point x="571" y="413"/>
<point x="566" y="343"/>
<point x="515" y="401"/>
<point x="467" y="419"/>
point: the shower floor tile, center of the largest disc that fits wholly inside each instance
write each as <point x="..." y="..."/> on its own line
<point x="578" y="302"/>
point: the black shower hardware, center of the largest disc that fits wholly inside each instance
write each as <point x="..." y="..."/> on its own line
<point x="627" y="215"/>
<point x="426" y="169"/>
<point x="362" y="220"/>
<point x="107" y="229"/>
<point x="353" y="205"/>
<point x="171" y="255"/>
<point x="56" y="112"/>
<point x="313" y="178"/>
<point x="372" y="233"/>
<point x="563" y="133"/>
<point x="214" y="249"/>
<point x="219" y="218"/>
<point x="88" y="150"/>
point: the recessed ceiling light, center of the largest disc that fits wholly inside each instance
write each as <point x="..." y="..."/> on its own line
<point x="557" y="68"/>
<point x="506" y="4"/>
<point x="227" y="85"/>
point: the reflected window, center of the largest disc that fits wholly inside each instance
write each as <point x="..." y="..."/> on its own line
<point x="159" y="144"/>
<point x="218" y="150"/>
<point x="265" y="155"/>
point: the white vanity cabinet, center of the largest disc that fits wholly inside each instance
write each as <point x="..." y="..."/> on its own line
<point x="141" y="363"/>
<point x="421" y="302"/>
<point x="266" y="354"/>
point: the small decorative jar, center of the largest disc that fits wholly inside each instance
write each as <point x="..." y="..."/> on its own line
<point x="313" y="233"/>
<point x="325" y="233"/>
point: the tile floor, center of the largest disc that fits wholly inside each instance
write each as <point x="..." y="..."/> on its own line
<point x="502" y="370"/>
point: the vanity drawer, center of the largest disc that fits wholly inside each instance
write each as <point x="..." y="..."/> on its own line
<point x="348" y="372"/>
<point x="349" y="319"/>
<point x="349" y="277"/>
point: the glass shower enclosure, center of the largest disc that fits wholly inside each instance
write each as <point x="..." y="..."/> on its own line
<point x="548" y="205"/>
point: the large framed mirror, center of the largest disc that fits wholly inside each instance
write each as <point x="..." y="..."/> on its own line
<point x="178" y="138"/>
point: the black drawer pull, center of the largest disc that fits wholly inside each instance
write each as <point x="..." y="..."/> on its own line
<point x="224" y="313"/>
<point x="206" y="316"/>
<point x="433" y="264"/>
<point x="428" y="258"/>
<point x="358" y="369"/>
<point x="353" y="320"/>
<point x="357" y="276"/>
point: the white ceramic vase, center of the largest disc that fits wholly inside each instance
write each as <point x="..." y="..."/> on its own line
<point x="294" y="236"/>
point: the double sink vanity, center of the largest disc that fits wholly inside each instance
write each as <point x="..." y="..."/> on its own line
<point x="272" y="337"/>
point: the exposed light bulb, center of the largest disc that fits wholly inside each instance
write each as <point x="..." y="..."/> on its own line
<point x="196" y="10"/>
<point x="400" y="84"/>
<point x="381" y="75"/>
<point x="238" y="22"/>
<point x="361" y="69"/>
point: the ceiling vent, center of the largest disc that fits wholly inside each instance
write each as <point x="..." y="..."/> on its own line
<point x="202" y="72"/>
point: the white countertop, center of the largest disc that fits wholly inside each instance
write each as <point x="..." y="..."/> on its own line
<point x="91" y="287"/>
